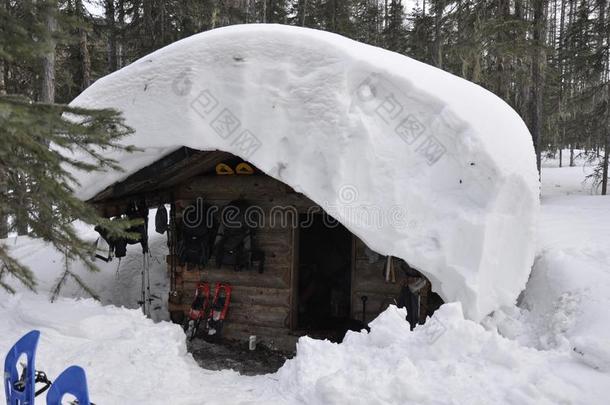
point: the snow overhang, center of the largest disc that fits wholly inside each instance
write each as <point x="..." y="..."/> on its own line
<point x="418" y="163"/>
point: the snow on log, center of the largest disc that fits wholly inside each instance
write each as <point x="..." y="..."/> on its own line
<point x="418" y="163"/>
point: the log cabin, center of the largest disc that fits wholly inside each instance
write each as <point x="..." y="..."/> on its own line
<point x="317" y="279"/>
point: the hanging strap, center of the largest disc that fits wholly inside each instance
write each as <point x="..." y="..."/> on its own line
<point x="41" y="377"/>
<point x="390" y="274"/>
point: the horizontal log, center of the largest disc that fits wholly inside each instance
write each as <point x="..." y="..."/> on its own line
<point x="276" y="297"/>
<point x="261" y="315"/>
<point x="376" y="286"/>
<point x="242" y="278"/>
<point x="231" y="187"/>
<point x="273" y="338"/>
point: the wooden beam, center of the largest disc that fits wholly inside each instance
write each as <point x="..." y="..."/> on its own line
<point x="166" y="172"/>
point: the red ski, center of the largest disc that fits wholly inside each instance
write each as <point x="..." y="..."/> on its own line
<point x="198" y="311"/>
<point x="220" y="306"/>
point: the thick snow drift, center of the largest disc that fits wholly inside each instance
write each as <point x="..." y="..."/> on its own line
<point x="418" y="163"/>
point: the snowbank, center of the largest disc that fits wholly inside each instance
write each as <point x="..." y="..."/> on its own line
<point x="130" y="359"/>
<point x="566" y="302"/>
<point x="449" y="360"/>
<point x="418" y="163"/>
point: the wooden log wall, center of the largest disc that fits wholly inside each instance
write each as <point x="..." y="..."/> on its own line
<point x="261" y="304"/>
<point x="368" y="280"/>
<point x="264" y="304"/>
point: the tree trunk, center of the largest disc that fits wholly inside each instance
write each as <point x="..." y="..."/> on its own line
<point x="606" y="78"/>
<point x="47" y="91"/>
<point x="2" y="76"/>
<point x="3" y="173"/>
<point x="111" y="47"/>
<point x="149" y="29"/>
<point x="571" y="155"/>
<point x="560" y="68"/>
<point x="304" y="13"/>
<point x="438" y="40"/>
<point x="503" y="38"/>
<point x="605" y="163"/>
<point x="385" y="14"/>
<point x="47" y="95"/>
<point x="83" y="49"/>
<point x="121" y="38"/>
<point x="21" y="214"/>
<point x="538" y="62"/>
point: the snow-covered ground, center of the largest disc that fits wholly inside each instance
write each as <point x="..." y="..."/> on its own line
<point x="553" y="348"/>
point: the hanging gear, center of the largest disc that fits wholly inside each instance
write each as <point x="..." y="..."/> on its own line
<point x="220" y="307"/>
<point x="223" y="169"/>
<point x="161" y="219"/>
<point x="172" y="244"/>
<point x="410" y="301"/>
<point x="364" y="298"/>
<point x="138" y="211"/>
<point x="118" y="244"/>
<point x="244" y="169"/>
<point x="198" y="311"/>
<point x="102" y="250"/>
<point x="411" y="294"/>
<point x="234" y="243"/>
<point x="111" y="241"/>
<point x="197" y="236"/>
<point x="389" y="272"/>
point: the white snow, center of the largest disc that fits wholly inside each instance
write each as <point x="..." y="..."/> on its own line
<point x="418" y="163"/>
<point x="128" y="358"/>
<point x="117" y="283"/>
<point x="566" y="303"/>
<point x="520" y="355"/>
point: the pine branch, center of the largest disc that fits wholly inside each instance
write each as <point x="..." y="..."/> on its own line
<point x="78" y="139"/>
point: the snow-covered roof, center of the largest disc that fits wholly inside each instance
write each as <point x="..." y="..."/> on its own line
<point x="418" y="163"/>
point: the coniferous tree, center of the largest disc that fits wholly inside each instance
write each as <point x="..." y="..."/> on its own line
<point x="395" y="33"/>
<point x="27" y="129"/>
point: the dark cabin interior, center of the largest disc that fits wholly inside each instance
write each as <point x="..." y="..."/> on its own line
<point x="325" y="262"/>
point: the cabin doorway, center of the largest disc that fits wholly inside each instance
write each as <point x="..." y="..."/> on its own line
<point x="324" y="277"/>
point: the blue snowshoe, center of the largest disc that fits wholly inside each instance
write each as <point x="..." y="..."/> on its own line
<point x="71" y="381"/>
<point x="20" y="389"/>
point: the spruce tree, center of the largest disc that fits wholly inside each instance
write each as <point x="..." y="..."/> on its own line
<point x="40" y="142"/>
<point x="395" y="33"/>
